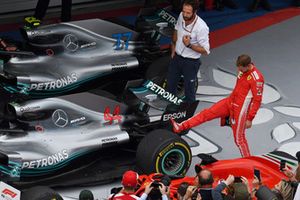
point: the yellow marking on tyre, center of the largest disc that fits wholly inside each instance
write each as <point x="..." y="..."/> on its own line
<point x="186" y="148"/>
<point x="166" y="149"/>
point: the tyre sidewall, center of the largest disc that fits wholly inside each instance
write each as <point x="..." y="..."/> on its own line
<point x="154" y="148"/>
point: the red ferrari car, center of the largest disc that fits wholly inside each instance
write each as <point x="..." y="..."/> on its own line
<point x="268" y="165"/>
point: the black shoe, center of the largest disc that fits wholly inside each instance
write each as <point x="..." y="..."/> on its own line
<point x="266" y="5"/>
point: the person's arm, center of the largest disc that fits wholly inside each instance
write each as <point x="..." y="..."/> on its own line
<point x="202" y="46"/>
<point x="257" y="87"/>
<point x="197" y="48"/>
<point x="148" y="189"/>
<point x="289" y="174"/>
<point x="165" y="191"/>
<point x="217" y="191"/>
<point x="246" y="182"/>
<point x="255" y="186"/>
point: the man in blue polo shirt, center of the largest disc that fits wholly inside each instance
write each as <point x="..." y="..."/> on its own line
<point x="190" y="41"/>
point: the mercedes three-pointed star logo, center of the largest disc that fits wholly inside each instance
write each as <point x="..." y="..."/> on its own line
<point x="71" y="42"/>
<point x="60" y="118"/>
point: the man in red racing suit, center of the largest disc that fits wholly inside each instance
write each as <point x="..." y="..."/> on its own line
<point x="241" y="106"/>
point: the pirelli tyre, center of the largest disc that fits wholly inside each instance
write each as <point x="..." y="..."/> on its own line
<point x="162" y="151"/>
<point x="158" y="71"/>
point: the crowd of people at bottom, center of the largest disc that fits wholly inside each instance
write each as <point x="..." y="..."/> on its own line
<point x="233" y="188"/>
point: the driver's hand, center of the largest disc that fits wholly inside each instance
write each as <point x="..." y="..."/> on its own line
<point x="177" y="127"/>
<point x="248" y="124"/>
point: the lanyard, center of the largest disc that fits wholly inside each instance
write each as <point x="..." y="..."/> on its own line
<point x="183" y="27"/>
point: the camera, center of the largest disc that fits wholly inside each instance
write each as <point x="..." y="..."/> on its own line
<point x="237" y="179"/>
<point x="257" y="174"/>
<point x="194" y="194"/>
<point x="155" y="184"/>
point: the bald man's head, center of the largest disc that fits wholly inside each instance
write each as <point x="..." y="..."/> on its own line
<point x="205" y="178"/>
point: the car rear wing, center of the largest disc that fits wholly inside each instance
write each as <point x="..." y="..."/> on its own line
<point x="161" y="21"/>
<point x="153" y="95"/>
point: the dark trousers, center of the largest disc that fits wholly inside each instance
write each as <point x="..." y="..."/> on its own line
<point x="42" y="5"/>
<point x="188" y="68"/>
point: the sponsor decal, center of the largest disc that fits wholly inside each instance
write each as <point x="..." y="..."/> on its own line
<point x="77" y="120"/>
<point x="71" y="42"/>
<point x="115" y="116"/>
<point x="28" y="108"/>
<point x="177" y="115"/>
<point x="122" y="40"/>
<point x="232" y="121"/>
<point x="162" y="92"/>
<point x="39" y="128"/>
<point x="255" y="75"/>
<point x="109" y="140"/>
<point x="249" y="78"/>
<point x="259" y="84"/>
<point x="88" y="45"/>
<point x="122" y="64"/>
<point x="259" y="91"/>
<point x="48" y="161"/>
<point x="240" y="74"/>
<point x="49" y="52"/>
<point x="166" y="149"/>
<point x="151" y="97"/>
<point x="167" y="17"/>
<point x="60" y="118"/>
<point x="9" y="192"/>
<point x="52" y="85"/>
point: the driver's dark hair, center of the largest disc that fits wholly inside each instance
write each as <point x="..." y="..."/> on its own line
<point x="193" y="3"/>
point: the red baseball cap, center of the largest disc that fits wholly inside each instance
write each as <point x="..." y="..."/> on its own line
<point x="130" y="179"/>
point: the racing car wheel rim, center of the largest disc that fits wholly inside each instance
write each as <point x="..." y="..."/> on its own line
<point x="173" y="162"/>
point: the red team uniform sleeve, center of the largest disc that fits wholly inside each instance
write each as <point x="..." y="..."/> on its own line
<point x="257" y="86"/>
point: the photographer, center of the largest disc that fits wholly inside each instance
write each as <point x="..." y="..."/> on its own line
<point x="186" y="191"/>
<point x="218" y="193"/>
<point x="205" y="184"/>
<point x="283" y="190"/>
<point x="155" y="190"/>
<point x="129" y="182"/>
<point x="237" y="188"/>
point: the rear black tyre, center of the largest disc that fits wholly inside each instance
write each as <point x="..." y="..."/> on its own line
<point x="162" y="151"/>
<point x="40" y="192"/>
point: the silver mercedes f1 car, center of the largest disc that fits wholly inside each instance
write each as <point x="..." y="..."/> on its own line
<point x="72" y="57"/>
<point x="79" y="136"/>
